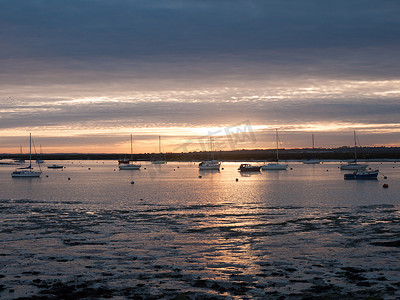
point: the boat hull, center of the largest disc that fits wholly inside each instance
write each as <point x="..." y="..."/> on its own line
<point x="25" y="174"/>
<point x="249" y="168"/>
<point x="210" y="165"/>
<point x="311" y="162"/>
<point x="55" y="167"/>
<point x="130" y="167"/>
<point x="362" y="175"/>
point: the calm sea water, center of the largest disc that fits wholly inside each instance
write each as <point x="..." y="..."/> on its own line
<point x="180" y="232"/>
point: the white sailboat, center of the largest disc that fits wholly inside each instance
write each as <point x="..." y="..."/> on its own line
<point x="277" y="165"/>
<point x="130" y="165"/>
<point x="354" y="165"/>
<point x="312" y="161"/>
<point x="210" y="164"/>
<point x="27" y="172"/>
<point x="161" y="161"/>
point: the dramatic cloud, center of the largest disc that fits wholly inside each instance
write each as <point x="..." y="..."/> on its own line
<point x="88" y="71"/>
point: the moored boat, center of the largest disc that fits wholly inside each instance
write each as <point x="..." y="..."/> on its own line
<point x="362" y="174"/>
<point x="275" y="165"/>
<point x="54" y="166"/>
<point x="27" y="172"/>
<point x="210" y="165"/>
<point x="129" y="165"/>
<point x="354" y="165"/>
<point x="249" y="168"/>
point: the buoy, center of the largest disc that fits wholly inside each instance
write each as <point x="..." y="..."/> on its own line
<point x="141" y="199"/>
<point x="132" y="182"/>
<point x="385" y="185"/>
<point x="88" y="168"/>
<point x="47" y="175"/>
<point x="200" y="176"/>
<point x="174" y="169"/>
<point x="69" y="178"/>
<point x="291" y="168"/>
<point x="222" y="168"/>
<point x="384" y="177"/>
<point x="178" y="167"/>
<point x="145" y="168"/>
<point x="237" y="179"/>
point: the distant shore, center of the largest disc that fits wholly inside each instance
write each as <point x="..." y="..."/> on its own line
<point x="324" y="154"/>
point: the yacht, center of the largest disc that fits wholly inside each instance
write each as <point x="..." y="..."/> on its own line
<point x="27" y="172"/>
<point x="275" y="165"/>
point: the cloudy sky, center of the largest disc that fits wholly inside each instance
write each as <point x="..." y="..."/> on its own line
<point x="82" y="75"/>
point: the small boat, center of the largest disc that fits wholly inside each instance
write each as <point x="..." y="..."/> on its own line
<point x="54" y="166"/>
<point x="129" y="165"/>
<point x="211" y="164"/>
<point x="362" y="174"/>
<point x="312" y="161"/>
<point x="27" y="172"/>
<point x="354" y="165"/>
<point x="249" y="168"/>
<point x="123" y="161"/>
<point x="276" y="165"/>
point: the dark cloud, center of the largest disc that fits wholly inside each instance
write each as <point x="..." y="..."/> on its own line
<point x="122" y="28"/>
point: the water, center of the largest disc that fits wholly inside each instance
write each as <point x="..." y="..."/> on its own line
<point x="86" y="231"/>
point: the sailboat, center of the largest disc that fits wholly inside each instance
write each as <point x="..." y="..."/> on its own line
<point x="210" y="164"/>
<point x="277" y="165"/>
<point x="354" y="165"/>
<point x="162" y="161"/>
<point x="129" y="165"/>
<point x="312" y="161"/>
<point x="27" y="172"/>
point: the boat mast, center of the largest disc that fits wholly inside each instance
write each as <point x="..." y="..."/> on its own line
<point x="277" y="157"/>
<point x="355" y="147"/>
<point x="131" y="149"/>
<point x="30" y="151"/>
<point x="312" y="137"/>
<point x="211" y="149"/>
<point x="159" y="144"/>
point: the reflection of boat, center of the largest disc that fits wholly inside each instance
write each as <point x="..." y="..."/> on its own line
<point x="312" y="161"/>
<point x="161" y="155"/>
<point x="249" y="168"/>
<point x="130" y="165"/>
<point x="210" y="164"/>
<point x="276" y="165"/>
<point x="54" y="166"/>
<point x="354" y="165"/>
<point x="362" y="174"/>
<point x="27" y="172"/>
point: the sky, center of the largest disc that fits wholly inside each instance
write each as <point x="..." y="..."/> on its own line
<point x="84" y="75"/>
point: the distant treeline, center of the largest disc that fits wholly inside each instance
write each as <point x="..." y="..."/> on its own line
<point x="342" y="153"/>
